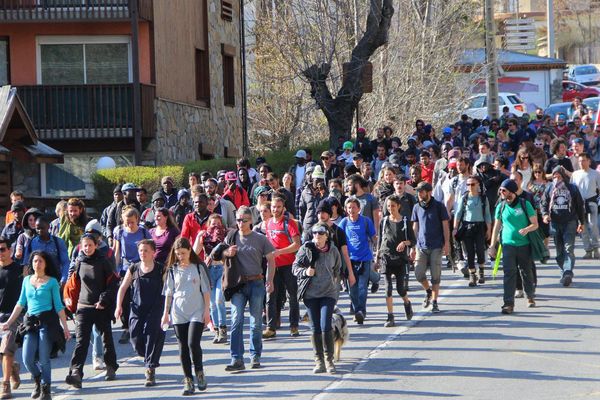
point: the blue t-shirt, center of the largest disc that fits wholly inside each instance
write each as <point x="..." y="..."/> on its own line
<point x="128" y="245"/>
<point x="431" y="229"/>
<point x="44" y="298"/>
<point x="358" y="234"/>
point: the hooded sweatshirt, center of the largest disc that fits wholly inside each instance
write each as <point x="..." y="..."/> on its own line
<point x="562" y="200"/>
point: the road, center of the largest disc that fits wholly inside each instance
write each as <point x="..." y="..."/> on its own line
<point x="468" y="351"/>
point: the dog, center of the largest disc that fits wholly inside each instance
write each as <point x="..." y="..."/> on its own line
<point x="340" y="332"/>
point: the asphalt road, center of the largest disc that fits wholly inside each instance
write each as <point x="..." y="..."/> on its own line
<point x="468" y="351"/>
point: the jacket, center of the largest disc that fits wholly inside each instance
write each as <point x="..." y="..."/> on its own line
<point x="559" y="211"/>
<point x="31" y="323"/>
<point x="309" y="201"/>
<point x="238" y="197"/>
<point x="191" y="227"/>
<point x="231" y="282"/>
<point x="327" y="266"/>
<point x="114" y="218"/>
<point x="179" y="212"/>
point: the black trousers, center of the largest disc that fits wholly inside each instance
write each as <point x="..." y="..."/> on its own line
<point x="283" y="281"/>
<point x="189" y="336"/>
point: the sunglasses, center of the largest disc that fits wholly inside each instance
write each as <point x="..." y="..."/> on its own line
<point x="538" y="172"/>
<point x="318" y="233"/>
<point x="242" y="220"/>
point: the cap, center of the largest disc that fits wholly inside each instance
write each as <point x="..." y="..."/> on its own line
<point x="183" y="193"/>
<point x="230" y="176"/>
<point x="327" y="154"/>
<point x="357" y="156"/>
<point x="347" y="145"/>
<point x="447" y="131"/>
<point x="319" y="229"/>
<point x="412" y="138"/>
<point x="221" y="173"/>
<point x="117" y="189"/>
<point x="324" y="206"/>
<point x="577" y="140"/>
<point x="260" y="160"/>
<point x="301" y="154"/>
<point x="94" y="227"/>
<point x="157" y="196"/>
<point x="424" y="186"/>
<point x="454" y="153"/>
<point x="318" y="173"/>
<point x="361" y="130"/>
<point x="427" y="143"/>
<point x="484" y="159"/>
<point x="262" y="190"/>
<point x="452" y="163"/>
<point x="491" y="135"/>
<point x="166" y="179"/>
<point x="510" y="185"/>
<point x="18" y="206"/>
<point x="129" y="186"/>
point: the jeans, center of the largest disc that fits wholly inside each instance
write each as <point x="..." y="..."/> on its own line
<point x="590" y="231"/>
<point x="253" y="294"/>
<point x="96" y="343"/>
<point x="218" y="313"/>
<point x="320" y="311"/>
<point x="564" y="240"/>
<point x="358" y="292"/>
<point x="283" y="281"/>
<point x="515" y="258"/>
<point x="36" y="354"/>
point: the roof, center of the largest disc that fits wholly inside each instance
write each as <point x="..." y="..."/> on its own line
<point x="510" y="60"/>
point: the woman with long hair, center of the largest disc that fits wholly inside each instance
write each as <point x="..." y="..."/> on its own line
<point x="522" y="164"/>
<point x="163" y="234"/>
<point x="537" y="186"/>
<point x="187" y="300"/>
<point x="45" y="314"/>
<point x="385" y="186"/>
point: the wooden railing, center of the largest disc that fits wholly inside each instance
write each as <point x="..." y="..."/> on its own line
<point x="70" y="10"/>
<point x="67" y="112"/>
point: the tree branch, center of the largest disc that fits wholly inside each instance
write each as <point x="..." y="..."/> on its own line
<point x="317" y="77"/>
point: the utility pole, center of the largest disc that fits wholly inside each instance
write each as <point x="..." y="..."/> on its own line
<point x="490" y="60"/>
<point x="550" y="26"/>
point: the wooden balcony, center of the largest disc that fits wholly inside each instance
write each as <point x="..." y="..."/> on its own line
<point x="76" y="112"/>
<point x="71" y="10"/>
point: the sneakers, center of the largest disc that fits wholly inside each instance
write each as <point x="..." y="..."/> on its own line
<point x="201" y="380"/>
<point x="98" y="364"/>
<point x="6" y="393"/>
<point x="567" y="278"/>
<point x="15" y="378"/>
<point x="124" y="339"/>
<point x="481" y="277"/>
<point x="530" y="302"/>
<point x="74" y="379"/>
<point x="150" y="378"/>
<point x="269" y="333"/>
<point x="390" y="321"/>
<point x="434" y="307"/>
<point x="216" y="338"/>
<point x="464" y="269"/>
<point x="507" y="309"/>
<point x="294" y="332"/>
<point x="110" y="374"/>
<point x="473" y="280"/>
<point x="255" y="362"/>
<point x="374" y="287"/>
<point x="519" y="294"/>
<point x="237" y="365"/>
<point x="427" y="300"/>
<point x="360" y="317"/>
<point x="222" y="334"/>
<point x="188" y="387"/>
<point x="408" y="311"/>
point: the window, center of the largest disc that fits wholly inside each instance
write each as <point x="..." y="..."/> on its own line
<point x="4" y="62"/>
<point x="226" y="10"/>
<point x="228" y="54"/>
<point x="202" y="77"/>
<point x="477" y="102"/>
<point x="83" y="60"/>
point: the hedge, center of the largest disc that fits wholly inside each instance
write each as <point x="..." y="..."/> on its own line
<point x="149" y="177"/>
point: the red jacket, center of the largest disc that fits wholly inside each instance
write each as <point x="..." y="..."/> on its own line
<point x="191" y="226"/>
<point x="238" y="197"/>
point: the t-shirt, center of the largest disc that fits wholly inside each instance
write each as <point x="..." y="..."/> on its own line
<point x="358" y="234"/>
<point x="128" y="245"/>
<point x="281" y="239"/>
<point x="553" y="162"/>
<point x="588" y="182"/>
<point x="44" y="298"/>
<point x="186" y="286"/>
<point x="163" y="243"/>
<point x="299" y="178"/>
<point x="11" y="277"/>
<point x="251" y="250"/>
<point x="431" y="228"/>
<point x="513" y="219"/>
<point x="368" y="205"/>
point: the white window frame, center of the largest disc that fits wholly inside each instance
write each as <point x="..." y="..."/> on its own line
<point x="83" y="40"/>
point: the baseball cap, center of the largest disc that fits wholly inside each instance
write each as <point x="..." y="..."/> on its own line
<point x="117" y="189"/>
<point x="357" y="156"/>
<point x="230" y="176"/>
<point x="166" y="179"/>
<point x="129" y="186"/>
<point x="326" y="153"/>
<point x="447" y="131"/>
<point x="157" y="196"/>
<point x="347" y="145"/>
<point x="361" y="130"/>
<point x="424" y="186"/>
<point x="318" y="173"/>
<point x="94" y="227"/>
<point x="299" y="154"/>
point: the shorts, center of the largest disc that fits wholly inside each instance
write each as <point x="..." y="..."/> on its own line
<point x="432" y="259"/>
<point x="8" y="344"/>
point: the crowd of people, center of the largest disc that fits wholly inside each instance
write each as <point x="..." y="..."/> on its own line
<point x="478" y="191"/>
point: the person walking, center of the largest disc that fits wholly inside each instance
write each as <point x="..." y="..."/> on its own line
<point x="319" y="262"/>
<point x="45" y="314"/>
<point x="164" y="234"/>
<point x="587" y="181"/>
<point x="147" y="303"/>
<point x="187" y="299"/>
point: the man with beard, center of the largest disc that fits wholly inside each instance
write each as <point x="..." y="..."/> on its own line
<point x="379" y="160"/>
<point x="311" y="195"/>
<point x="490" y="178"/>
<point x="196" y="221"/>
<point x="562" y="208"/>
<point x="380" y="139"/>
<point x="410" y="158"/>
<point x="561" y="129"/>
<point x="117" y="197"/>
<point x="114" y="219"/>
<point x="516" y="218"/>
<point x="273" y="183"/>
<point x="427" y="167"/>
<point x="457" y="187"/>
<point x="330" y="168"/>
<point x="537" y="123"/>
<point x="72" y="224"/>
<point x="369" y="206"/>
<point x="558" y="147"/>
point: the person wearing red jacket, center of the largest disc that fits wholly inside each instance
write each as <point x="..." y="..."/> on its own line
<point x="235" y="193"/>
<point x="196" y="221"/>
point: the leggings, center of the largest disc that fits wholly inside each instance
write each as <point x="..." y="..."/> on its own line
<point x="320" y="311"/>
<point x="474" y="245"/>
<point x="189" y="336"/>
<point x="400" y="270"/>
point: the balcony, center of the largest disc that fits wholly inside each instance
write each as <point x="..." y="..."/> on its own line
<point x="76" y="112"/>
<point x="71" y="10"/>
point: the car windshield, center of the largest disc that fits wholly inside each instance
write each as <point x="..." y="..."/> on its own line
<point x="592" y="102"/>
<point x="560" y="108"/>
<point x="586" y="70"/>
<point x="514" y="99"/>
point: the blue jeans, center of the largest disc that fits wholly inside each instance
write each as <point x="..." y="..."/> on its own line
<point x="590" y="231"/>
<point x="358" y="292"/>
<point x="564" y="240"/>
<point x="36" y="354"/>
<point x="97" y="348"/>
<point x="320" y="311"/>
<point x="253" y="294"/>
<point x="218" y="314"/>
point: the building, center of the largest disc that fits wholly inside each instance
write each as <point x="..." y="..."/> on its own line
<point x="92" y="90"/>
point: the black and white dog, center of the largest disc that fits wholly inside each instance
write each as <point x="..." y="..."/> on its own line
<point x="340" y="331"/>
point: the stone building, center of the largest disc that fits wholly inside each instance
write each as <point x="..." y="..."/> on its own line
<point x="146" y="82"/>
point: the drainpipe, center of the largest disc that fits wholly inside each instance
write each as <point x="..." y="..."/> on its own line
<point x="137" y="97"/>
<point x="245" y="150"/>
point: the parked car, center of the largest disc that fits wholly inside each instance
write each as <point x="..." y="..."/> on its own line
<point x="558" y="108"/>
<point x="587" y="74"/>
<point x="592" y="102"/>
<point x="476" y="106"/>
<point x="573" y="89"/>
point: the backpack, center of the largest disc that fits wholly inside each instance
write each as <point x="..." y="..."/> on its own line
<point x="199" y="274"/>
<point x="55" y="240"/>
<point x="286" y="221"/>
<point x="72" y="289"/>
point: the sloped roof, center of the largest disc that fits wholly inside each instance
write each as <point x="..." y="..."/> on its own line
<point x="511" y="60"/>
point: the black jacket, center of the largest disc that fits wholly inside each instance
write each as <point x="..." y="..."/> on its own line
<point x="31" y="323"/>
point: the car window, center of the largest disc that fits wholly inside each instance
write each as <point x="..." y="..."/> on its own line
<point x="514" y="99"/>
<point x="592" y="102"/>
<point x="501" y="101"/>
<point x="586" y="70"/>
<point x="477" y="102"/>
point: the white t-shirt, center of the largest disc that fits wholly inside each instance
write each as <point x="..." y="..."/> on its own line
<point x="184" y="285"/>
<point x="300" y="171"/>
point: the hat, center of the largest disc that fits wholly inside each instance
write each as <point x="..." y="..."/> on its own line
<point x="327" y="154"/>
<point x="491" y="135"/>
<point x="166" y="179"/>
<point x="423" y="185"/>
<point x="94" y="227"/>
<point x="357" y="156"/>
<point x="324" y="206"/>
<point x="427" y="143"/>
<point x="347" y="145"/>
<point x="577" y="140"/>
<point x="318" y="173"/>
<point x="261" y="189"/>
<point x="117" y="189"/>
<point x="412" y="138"/>
<point x="183" y="193"/>
<point x="454" y="153"/>
<point x="361" y="130"/>
<point x="317" y="228"/>
<point x="157" y="196"/>
<point x="301" y="154"/>
<point x="484" y="159"/>
<point x="447" y="131"/>
<point x="230" y="176"/>
<point x="221" y="173"/>
<point x="452" y="163"/>
<point x="18" y="206"/>
<point x="129" y="186"/>
<point x="510" y="185"/>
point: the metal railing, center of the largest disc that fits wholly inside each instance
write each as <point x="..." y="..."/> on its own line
<point x="70" y="10"/>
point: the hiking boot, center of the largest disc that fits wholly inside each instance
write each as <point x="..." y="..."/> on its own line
<point x="150" y="378"/>
<point x="473" y="280"/>
<point x="237" y="365"/>
<point x="390" y="321"/>
<point x="374" y="287"/>
<point x="360" y="317"/>
<point x="222" y="334"/>
<point x="408" y="311"/>
<point x="269" y="333"/>
<point x="530" y="302"/>
<point x="6" y="393"/>
<point x="567" y="278"/>
<point x="464" y="269"/>
<point x="37" y="387"/>
<point x="588" y="255"/>
<point x="519" y="294"/>
<point x="188" y="387"/>
<point x="427" y="300"/>
<point x="481" y="276"/>
<point x="46" y="392"/>
<point x="434" y="307"/>
<point x="201" y="379"/>
<point x="74" y="379"/>
<point x="110" y="374"/>
<point x="507" y="309"/>
<point x="124" y="339"/>
<point x="255" y="362"/>
<point x="305" y="317"/>
<point x="294" y="332"/>
<point x="15" y="378"/>
<point x="98" y="364"/>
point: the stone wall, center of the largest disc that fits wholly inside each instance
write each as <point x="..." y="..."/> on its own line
<point x="26" y="178"/>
